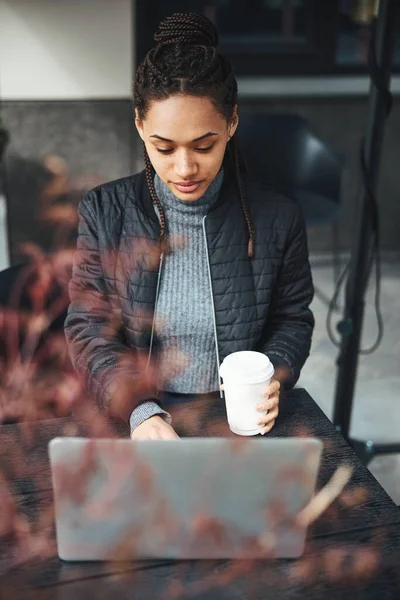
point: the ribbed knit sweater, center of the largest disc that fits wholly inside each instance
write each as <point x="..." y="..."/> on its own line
<point x="183" y="314"/>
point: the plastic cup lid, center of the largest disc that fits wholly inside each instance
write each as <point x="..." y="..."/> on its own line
<point x="247" y="367"/>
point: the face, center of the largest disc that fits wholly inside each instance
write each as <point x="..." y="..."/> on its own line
<point x="186" y="139"/>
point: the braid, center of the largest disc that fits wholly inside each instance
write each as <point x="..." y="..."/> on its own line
<point x="150" y="63"/>
<point x="238" y="159"/>
<point x="188" y="28"/>
<point x="154" y="197"/>
<point x="186" y="61"/>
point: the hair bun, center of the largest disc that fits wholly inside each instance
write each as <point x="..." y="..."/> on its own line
<point x="187" y="28"/>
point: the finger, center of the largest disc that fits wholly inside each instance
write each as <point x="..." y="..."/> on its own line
<point x="222" y="386"/>
<point x="272" y="388"/>
<point x="269" y="404"/>
<point x="270" y="416"/>
<point x="169" y="434"/>
<point x="139" y="436"/>
<point x="267" y="428"/>
<point x="163" y="433"/>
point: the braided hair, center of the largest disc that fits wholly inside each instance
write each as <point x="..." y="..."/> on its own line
<point x="186" y="61"/>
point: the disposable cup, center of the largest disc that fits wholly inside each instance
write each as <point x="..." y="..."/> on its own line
<point x="245" y="376"/>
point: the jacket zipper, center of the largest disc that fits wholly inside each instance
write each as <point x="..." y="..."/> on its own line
<point x="212" y="302"/>
<point x="155" y="308"/>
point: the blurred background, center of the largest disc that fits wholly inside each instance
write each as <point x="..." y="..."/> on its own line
<point x="66" y="69"/>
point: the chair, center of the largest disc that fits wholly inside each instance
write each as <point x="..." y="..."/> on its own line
<point x="282" y="150"/>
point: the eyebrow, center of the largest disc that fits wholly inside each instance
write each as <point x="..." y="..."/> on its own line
<point x="202" y="137"/>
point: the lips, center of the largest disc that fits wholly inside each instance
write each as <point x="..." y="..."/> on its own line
<point x="187" y="187"/>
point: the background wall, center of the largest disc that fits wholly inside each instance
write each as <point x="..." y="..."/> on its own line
<point x="66" y="68"/>
<point x="65" y="49"/>
<point x="93" y="137"/>
<point x="65" y="81"/>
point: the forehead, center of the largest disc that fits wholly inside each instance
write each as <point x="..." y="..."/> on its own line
<point x="183" y="116"/>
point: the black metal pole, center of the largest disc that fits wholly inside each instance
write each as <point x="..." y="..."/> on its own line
<point x="360" y="261"/>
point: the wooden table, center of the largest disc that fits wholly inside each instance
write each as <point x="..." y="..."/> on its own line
<point x="353" y="548"/>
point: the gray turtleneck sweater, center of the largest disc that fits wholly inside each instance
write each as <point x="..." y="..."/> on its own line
<point x="183" y="314"/>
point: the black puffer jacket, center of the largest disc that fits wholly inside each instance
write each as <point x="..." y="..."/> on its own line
<point x="259" y="304"/>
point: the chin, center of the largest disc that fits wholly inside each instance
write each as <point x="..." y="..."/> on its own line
<point x="189" y="197"/>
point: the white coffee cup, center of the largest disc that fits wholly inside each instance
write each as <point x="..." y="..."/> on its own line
<point x="245" y="376"/>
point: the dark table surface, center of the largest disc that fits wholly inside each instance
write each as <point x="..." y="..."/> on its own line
<point x="353" y="548"/>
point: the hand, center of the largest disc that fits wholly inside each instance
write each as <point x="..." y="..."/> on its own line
<point x="154" y="428"/>
<point x="271" y="404"/>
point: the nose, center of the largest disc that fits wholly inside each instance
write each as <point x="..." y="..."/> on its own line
<point x="186" y="165"/>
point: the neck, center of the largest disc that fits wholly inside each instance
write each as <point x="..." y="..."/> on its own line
<point x="168" y="198"/>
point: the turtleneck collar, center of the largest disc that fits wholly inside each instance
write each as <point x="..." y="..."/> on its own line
<point x="169" y="200"/>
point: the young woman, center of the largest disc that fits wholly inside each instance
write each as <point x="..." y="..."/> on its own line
<point x="187" y="261"/>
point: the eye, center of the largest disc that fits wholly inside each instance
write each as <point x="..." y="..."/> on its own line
<point x="205" y="149"/>
<point x="169" y="151"/>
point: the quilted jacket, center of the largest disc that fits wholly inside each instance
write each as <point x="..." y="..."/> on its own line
<point x="259" y="304"/>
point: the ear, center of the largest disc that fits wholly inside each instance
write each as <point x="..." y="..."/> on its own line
<point x="139" y="124"/>
<point x="235" y="116"/>
<point x="234" y="122"/>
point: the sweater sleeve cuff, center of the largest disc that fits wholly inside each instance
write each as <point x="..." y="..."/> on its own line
<point x="144" y="411"/>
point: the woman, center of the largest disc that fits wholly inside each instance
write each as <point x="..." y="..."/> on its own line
<point x="188" y="261"/>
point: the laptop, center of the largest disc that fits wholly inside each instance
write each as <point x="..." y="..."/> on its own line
<point x="192" y="498"/>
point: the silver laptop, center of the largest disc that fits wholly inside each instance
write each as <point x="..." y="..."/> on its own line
<point x="192" y="498"/>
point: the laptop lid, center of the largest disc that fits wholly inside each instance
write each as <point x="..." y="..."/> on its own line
<point x="186" y="499"/>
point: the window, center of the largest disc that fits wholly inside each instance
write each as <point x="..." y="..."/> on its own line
<point x="354" y="34"/>
<point x="278" y="37"/>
